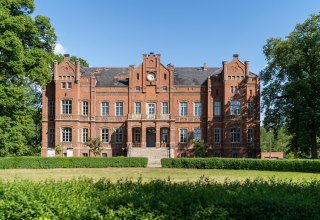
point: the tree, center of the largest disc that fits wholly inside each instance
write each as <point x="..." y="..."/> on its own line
<point x="291" y="79"/>
<point x="83" y="62"/>
<point x="200" y="148"/>
<point x="26" y="53"/>
<point x="95" y="146"/>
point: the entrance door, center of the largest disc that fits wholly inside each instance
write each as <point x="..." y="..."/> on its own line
<point x="151" y="137"/>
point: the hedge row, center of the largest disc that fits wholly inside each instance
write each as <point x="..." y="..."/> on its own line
<point x="205" y="199"/>
<point x="297" y="165"/>
<point x="70" y="162"/>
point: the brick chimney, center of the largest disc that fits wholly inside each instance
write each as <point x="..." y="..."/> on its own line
<point x="235" y="56"/>
<point x="205" y="66"/>
<point x="55" y="70"/>
<point x="66" y="57"/>
<point x="224" y="70"/>
<point x="247" y="67"/>
<point x="77" y="71"/>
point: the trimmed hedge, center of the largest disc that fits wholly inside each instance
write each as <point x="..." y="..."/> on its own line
<point x="298" y="165"/>
<point x="205" y="199"/>
<point x="70" y="162"/>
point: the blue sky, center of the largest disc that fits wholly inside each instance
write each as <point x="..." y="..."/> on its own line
<point x="185" y="33"/>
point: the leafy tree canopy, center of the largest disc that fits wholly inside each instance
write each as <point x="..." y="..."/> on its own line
<point x="83" y="62"/>
<point x="26" y="53"/>
<point x="291" y="79"/>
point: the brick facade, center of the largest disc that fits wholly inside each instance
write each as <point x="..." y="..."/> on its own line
<point x="152" y="105"/>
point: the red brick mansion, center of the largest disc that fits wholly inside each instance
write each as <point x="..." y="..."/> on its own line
<point x="152" y="106"/>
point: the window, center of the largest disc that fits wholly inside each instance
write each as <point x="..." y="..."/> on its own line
<point x="118" y="135"/>
<point x="66" y="134"/>
<point x="217" y="92"/>
<point x="69" y="85"/>
<point x="197" y="109"/>
<point x="250" y="92"/>
<point x="235" y="135"/>
<point x="137" y="76"/>
<point x="165" y="76"/>
<point x="217" y="155"/>
<point x="138" y="88"/>
<point x="104" y="155"/>
<point x="151" y="108"/>
<point x="217" y="135"/>
<point x="197" y="134"/>
<point x="164" y="89"/>
<point x="85" y="135"/>
<point x="235" y="106"/>
<point x="85" y="108"/>
<point x="85" y="154"/>
<point x="137" y="135"/>
<point x="66" y="107"/>
<point x="235" y="155"/>
<point x="231" y="89"/>
<point x="164" y="135"/>
<point x="183" y="108"/>
<point x="250" y="109"/>
<point x="183" y="155"/>
<point x="165" y="108"/>
<point x="250" y="135"/>
<point x="51" y="135"/>
<point x="183" y="135"/>
<point x="105" y="135"/>
<point x="104" y="108"/>
<point x="63" y="85"/>
<point x="138" y="108"/>
<point x="51" y="108"/>
<point x="119" y="108"/>
<point x="217" y="108"/>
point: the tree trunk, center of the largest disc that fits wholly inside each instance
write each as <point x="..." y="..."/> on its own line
<point x="314" y="147"/>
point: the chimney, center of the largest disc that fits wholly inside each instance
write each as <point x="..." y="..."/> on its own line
<point x="247" y="66"/>
<point x="205" y="66"/>
<point x="55" y="70"/>
<point x="224" y="70"/>
<point x="66" y="57"/>
<point x="77" y="70"/>
<point x="235" y="56"/>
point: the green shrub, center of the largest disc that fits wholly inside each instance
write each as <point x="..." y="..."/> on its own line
<point x="70" y="162"/>
<point x="204" y="199"/>
<point x="312" y="166"/>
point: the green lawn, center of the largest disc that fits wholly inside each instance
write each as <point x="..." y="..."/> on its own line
<point x="148" y="174"/>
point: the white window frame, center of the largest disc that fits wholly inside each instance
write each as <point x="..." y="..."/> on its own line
<point x="119" y="135"/>
<point x="137" y="88"/>
<point x="197" y="109"/>
<point x="183" y="136"/>
<point x="137" y="135"/>
<point x="164" y="89"/>
<point x="105" y="108"/>
<point x="66" y="107"/>
<point x="235" y="135"/>
<point x="137" y="108"/>
<point x="165" y="108"/>
<point x="105" y="135"/>
<point x="66" y="134"/>
<point x="69" y="85"/>
<point x="250" y="135"/>
<point x="119" y="108"/>
<point x="164" y="135"/>
<point x="235" y="107"/>
<point x="183" y="109"/>
<point x="217" y="108"/>
<point x="197" y="131"/>
<point x="154" y="108"/>
<point x="85" y="135"/>
<point x="85" y="108"/>
<point x="217" y="135"/>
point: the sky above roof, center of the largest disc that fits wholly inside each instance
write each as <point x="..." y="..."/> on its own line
<point x="185" y="33"/>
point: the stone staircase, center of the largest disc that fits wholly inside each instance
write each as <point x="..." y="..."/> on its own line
<point x="153" y="154"/>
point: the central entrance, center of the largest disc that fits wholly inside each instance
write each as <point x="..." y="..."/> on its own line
<point x="151" y="137"/>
